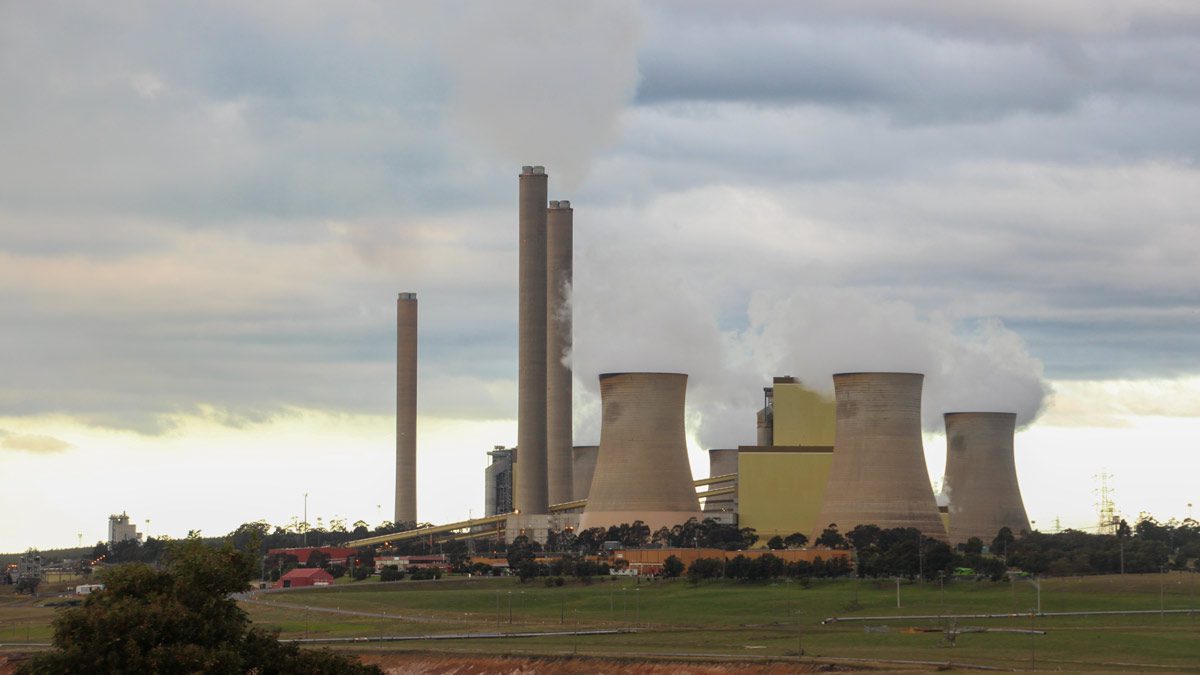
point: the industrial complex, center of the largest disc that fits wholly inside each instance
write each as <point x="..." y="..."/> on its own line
<point x="817" y="463"/>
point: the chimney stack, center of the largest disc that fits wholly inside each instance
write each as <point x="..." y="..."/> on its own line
<point x="406" y="408"/>
<point x="530" y="485"/>
<point x="559" y="223"/>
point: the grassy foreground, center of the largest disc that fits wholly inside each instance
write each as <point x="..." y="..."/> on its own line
<point x="768" y="620"/>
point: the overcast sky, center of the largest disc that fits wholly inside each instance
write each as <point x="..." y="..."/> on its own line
<point x="206" y="210"/>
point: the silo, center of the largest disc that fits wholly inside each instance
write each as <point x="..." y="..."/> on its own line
<point x="878" y="474"/>
<point x="584" y="460"/>
<point x="981" y="476"/>
<point x="721" y="462"/>
<point x="558" y="349"/>
<point x="406" y="408"/>
<point x="642" y="472"/>
<point x="530" y="471"/>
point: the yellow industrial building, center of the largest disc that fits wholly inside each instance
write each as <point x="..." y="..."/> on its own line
<point x="781" y="485"/>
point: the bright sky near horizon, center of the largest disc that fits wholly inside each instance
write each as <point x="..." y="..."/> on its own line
<point x="206" y="210"/>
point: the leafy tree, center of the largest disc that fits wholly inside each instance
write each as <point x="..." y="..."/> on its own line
<point x="831" y="538"/>
<point x="973" y="546"/>
<point x="457" y="555"/>
<point x="672" y="567"/>
<point x="390" y="573"/>
<point x="705" y="568"/>
<point x="177" y="620"/>
<point x="795" y="540"/>
<point x="776" y="543"/>
<point x="1004" y="539"/>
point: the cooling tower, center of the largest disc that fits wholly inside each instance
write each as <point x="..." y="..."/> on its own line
<point x="981" y="476"/>
<point x="530" y="484"/>
<point x="584" y="468"/>
<point x="878" y="474"/>
<point x="406" y="408"/>
<point x="558" y="347"/>
<point x="721" y="462"/>
<point x="642" y="472"/>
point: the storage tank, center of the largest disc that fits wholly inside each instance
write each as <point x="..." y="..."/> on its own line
<point x="584" y="467"/>
<point x="878" y="475"/>
<point x="642" y="471"/>
<point x="531" y="496"/>
<point x="406" y="409"/>
<point x="559" y="461"/>
<point x="981" y="476"/>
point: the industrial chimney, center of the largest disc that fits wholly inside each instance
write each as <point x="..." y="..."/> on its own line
<point x="584" y="467"/>
<point x="981" y="476"/>
<point x="642" y="472"/>
<point x="530" y="486"/>
<point x="558" y="348"/>
<point x="878" y="474"/>
<point x="406" y="408"/>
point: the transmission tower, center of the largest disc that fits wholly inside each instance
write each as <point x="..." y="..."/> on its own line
<point x="1104" y="502"/>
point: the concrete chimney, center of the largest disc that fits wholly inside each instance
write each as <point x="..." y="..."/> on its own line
<point x="531" y="485"/>
<point x="558" y="348"/>
<point x="406" y="408"/>
<point x="878" y="474"/>
<point x="981" y="476"/>
<point x="642" y="472"/>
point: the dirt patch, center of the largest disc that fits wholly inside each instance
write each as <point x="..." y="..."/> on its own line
<point x="453" y="664"/>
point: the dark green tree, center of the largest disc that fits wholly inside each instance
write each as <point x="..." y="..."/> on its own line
<point x="795" y="540"/>
<point x="776" y="543"/>
<point x="672" y="567"/>
<point x="831" y="538"/>
<point x="181" y="619"/>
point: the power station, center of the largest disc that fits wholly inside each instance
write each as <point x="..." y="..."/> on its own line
<point x="816" y="462"/>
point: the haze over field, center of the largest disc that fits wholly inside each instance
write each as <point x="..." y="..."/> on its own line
<point x="206" y="211"/>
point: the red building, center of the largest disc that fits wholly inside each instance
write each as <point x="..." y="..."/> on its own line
<point x="305" y="576"/>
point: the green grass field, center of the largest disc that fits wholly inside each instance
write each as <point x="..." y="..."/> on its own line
<point x="769" y="620"/>
<point x="738" y="620"/>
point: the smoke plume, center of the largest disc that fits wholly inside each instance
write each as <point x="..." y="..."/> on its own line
<point x="544" y="82"/>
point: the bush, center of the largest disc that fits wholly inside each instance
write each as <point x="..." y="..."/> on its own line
<point x="424" y="573"/>
<point x="672" y="567"/>
<point x="390" y="573"/>
<point x="181" y="619"/>
<point x="361" y="572"/>
<point x="705" y="568"/>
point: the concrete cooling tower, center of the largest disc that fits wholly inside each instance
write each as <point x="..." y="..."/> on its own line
<point x="584" y="461"/>
<point x="530" y="471"/>
<point x="559" y="217"/>
<point x="878" y="474"/>
<point x="981" y="476"/>
<point x="721" y="462"/>
<point x="406" y="409"/>
<point x="642" y="472"/>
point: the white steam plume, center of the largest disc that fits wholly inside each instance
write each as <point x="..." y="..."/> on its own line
<point x="544" y="82"/>
<point x="645" y="317"/>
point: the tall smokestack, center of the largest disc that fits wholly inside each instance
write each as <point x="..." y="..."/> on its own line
<point x="642" y="472"/>
<point x="559" y="463"/>
<point x="981" y="476"/>
<point x="406" y="408"/>
<point x="531" y="485"/>
<point x="878" y="474"/>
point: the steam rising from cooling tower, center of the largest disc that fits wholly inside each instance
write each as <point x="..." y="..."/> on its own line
<point x="559" y="224"/>
<point x="642" y="472"/>
<point x="530" y="482"/>
<point x="981" y="476"/>
<point x="878" y="475"/>
<point x="406" y="408"/>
